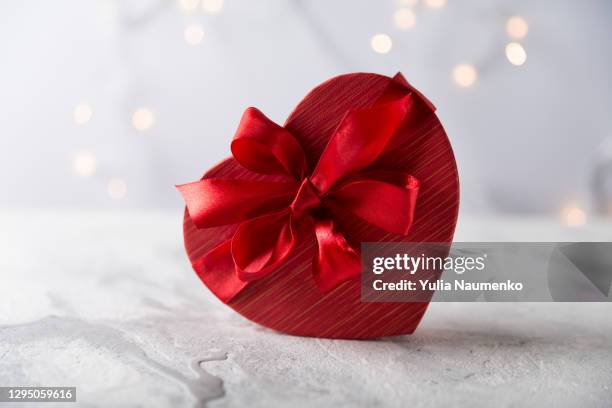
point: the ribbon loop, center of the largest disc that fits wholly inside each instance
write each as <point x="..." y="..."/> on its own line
<point x="215" y="202"/>
<point x="264" y="147"/>
<point x="358" y="141"/>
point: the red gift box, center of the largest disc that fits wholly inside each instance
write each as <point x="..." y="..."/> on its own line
<point x="274" y="231"/>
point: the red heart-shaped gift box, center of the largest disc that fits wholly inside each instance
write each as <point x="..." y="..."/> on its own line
<point x="288" y="298"/>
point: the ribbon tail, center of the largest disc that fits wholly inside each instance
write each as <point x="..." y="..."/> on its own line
<point x="264" y="147"/>
<point x="336" y="261"/>
<point x="359" y="139"/>
<point x="363" y="134"/>
<point x="216" y="269"/>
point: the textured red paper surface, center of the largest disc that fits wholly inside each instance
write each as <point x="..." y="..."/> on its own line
<point x="288" y="299"/>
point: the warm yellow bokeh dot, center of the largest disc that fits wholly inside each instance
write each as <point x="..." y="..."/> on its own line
<point x="573" y="216"/>
<point x="82" y="113"/>
<point x="84" y="164"/>
<point x="516" y="27"/>
<point x="404" y="18"/>
<point x="464" y="75"/>
<point x="194" y="34"/>
<point x="117" y="189"/>
<point x="516" y="54"/>
<point x="212" y="6"/>
<point x="381" y="43"/>
<point x="435" y="4"/>
<point x="142" y="119"/>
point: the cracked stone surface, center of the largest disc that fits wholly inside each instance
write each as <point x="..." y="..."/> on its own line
<point x="107" y="302"/>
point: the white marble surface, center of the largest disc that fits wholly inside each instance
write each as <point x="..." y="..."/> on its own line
<point x="107" y="302"/>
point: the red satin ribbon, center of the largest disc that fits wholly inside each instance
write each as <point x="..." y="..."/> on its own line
<point x="270" y="212"/>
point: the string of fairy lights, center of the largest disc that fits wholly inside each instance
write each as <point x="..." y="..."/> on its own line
<point x="464" y="74"/>
<point x="84" y="162"/>
<point x="404" y="18"/>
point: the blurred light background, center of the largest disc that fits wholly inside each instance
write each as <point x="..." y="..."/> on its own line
<point x="110" y="103"/>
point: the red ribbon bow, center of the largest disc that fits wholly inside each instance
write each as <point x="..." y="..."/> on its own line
<point x="270" y="212"/>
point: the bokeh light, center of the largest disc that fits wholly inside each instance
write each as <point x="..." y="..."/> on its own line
<point x="516" y="54"/>
<point x="381" y="43"/>
<point x="516" y="27"/>
<point x="404" y="18"/>
<point x="142" y="119"/>
<point x="435" y="4"/>
<point x="573" y="215"/>
<point x="464" y="75"/>
<point x="84" y="164"/>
